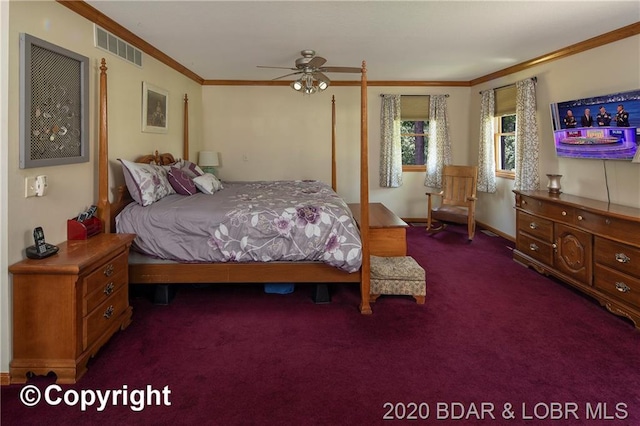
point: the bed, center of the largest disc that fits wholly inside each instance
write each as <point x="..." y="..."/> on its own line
<point x="350" y="265"/>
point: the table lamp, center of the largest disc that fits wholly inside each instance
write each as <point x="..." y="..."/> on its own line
<point x="208" y="160"/>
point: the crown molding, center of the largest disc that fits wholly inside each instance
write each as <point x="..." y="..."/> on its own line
<point x="85" y="10"/>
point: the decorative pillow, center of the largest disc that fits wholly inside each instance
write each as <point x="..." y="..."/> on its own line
<point x="191" y="169"/>
<point x="146" y="183"/>
<point x="181" y="182"/>
<point x="208" y="183"/>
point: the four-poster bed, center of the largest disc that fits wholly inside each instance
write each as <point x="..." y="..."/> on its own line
<point x="163" y="272"/>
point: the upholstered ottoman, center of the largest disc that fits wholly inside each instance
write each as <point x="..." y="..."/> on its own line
<point x="397" y="275"/>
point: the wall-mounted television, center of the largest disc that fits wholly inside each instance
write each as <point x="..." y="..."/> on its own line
<point x="597" y="138"/>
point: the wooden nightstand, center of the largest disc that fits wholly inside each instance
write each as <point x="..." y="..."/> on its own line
<point x="65" y="307"/>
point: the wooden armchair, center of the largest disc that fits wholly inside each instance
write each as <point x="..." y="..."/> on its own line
<point x="458" y="199"/>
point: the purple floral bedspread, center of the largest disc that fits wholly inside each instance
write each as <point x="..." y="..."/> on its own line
<point x="248" y="221"/>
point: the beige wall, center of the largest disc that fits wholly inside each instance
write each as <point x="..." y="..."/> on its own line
<point x="607" y="69"/>
<point x="286" y="135"/>
<point x="72" y="188"/>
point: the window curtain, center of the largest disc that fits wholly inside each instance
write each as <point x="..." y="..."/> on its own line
<point x="486" y="153"/>
<point x="439" y="148"/>
<point x="527" y="142"/>
<point x="390" y="146"/>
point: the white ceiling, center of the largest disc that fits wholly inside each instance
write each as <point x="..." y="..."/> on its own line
<point x="400" y="40"/>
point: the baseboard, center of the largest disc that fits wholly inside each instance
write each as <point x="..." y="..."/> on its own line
<point x="495" y="231"/>
<point x="5" y="379"/>
<point x="480" y="224"/>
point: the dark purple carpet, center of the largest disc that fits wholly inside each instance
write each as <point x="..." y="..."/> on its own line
<point x="491" y="332"/>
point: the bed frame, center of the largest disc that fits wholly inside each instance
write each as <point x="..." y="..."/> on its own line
<point x="230" y="272"/>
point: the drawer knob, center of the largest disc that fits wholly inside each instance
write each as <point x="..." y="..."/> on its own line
<point x="108" y="271"/>
<point x="524" y="202"/>
<point x="108" y="289"/>
<point x="622" y="287"/>
<point x="607" y="221"/>
<point x="580" y="217"/>
<point x="107" y="314"/>
<point x="533" y="225"/>
<point x="622" y="258"/>
<point x="564" y="213"/>
<point x="533" y="247"/>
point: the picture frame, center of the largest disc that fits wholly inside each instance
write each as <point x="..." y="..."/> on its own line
<point x="155" y="109"/>
<point x="54" y="107"/>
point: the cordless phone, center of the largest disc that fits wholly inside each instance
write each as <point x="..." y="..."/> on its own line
<point x="41" y="248"/>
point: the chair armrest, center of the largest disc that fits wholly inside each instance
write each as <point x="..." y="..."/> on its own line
<point x="472" y="198"/>
<point x="429" y="193"/>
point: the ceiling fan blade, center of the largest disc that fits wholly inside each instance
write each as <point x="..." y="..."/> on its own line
<point x="316" y="62"/>
<point x="281" y="68"/>
<point x="319" y="76"/>
<point x="341" y="69"/>
<point x="287" y="75"/>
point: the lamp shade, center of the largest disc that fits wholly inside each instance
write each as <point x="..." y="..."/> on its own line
<point x="208" y="159"/>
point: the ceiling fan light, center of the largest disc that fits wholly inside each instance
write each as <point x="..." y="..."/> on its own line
<point x="322" y="85"/>
<point x="296" y="85"/>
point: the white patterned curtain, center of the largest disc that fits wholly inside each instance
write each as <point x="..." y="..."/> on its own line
<point x="439" y="147"/>
<point x="486" y="153"/>
<point x="390" y="146"/>
<point x="527" y="142"/>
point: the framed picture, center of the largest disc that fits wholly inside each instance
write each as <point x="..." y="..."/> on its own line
<point x="155" y="109"/>
<point x="54" y="104"/>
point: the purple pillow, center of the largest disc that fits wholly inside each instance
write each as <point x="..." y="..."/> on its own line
<point x="181" y="182"/>
<point x="191" y="169"/>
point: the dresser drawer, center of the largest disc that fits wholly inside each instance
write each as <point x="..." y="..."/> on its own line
<point x="98" y="321"/>
<point x="550" y="210"/>
<point x="535" y="226"/>
<point x="620" y="257"/>
<point x="535" y="248"/>
<point x="625" y="230"/>
<point x="620" y="286"/>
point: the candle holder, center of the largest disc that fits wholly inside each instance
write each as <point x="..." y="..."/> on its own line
<point x="554" y="184"/>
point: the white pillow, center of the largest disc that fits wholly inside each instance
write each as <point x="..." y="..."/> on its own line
<point x="146" y="183"/>
<point x="208" y="183"/>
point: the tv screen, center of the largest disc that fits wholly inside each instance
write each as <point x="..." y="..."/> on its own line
<point x="601" y="127"/>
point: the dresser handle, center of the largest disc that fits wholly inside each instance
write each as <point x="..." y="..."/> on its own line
<point x="607" y="221"/>
<point x="580" y="217"/>
<point x="107" y="314"/>
<point x="108" y="271"/>
<point x="564" y="213"/>
<point x="622" y="258"/>
<point x="622" y="287"/>
<point x="108" y="289"/>
<point x="533" y="225"/>
<point x="533" y="247"/>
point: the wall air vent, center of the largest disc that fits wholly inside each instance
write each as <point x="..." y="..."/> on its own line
<point x="106" y="41"/>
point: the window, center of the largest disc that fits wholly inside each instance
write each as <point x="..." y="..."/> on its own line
<point x="414" y="131"/>
<point x="505" y="140"/>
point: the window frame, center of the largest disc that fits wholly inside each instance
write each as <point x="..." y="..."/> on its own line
<point x="497" y="138"/>
<point x="416" y="167"/>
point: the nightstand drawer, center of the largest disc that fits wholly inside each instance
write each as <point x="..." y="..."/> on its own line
<point x="106" y="273"/>
<point x="100" y="319"/>
<point x="536" y="226"/>
<point x="621" y="257"/>
<point x="100" y="294"/>
<point x="620" y="286"/>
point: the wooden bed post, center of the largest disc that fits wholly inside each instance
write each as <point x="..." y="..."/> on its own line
<point x="104" y="207"/>
<point x="334" y="183"/>
<point x="365" y="283"/>
<point x="185" y="137"/>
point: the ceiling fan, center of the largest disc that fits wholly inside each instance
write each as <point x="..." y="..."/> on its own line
<point x="312" y="71"/>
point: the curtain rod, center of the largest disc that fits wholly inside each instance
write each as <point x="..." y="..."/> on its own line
<point x="535" y="80"/>
<point x="446" y="95"/>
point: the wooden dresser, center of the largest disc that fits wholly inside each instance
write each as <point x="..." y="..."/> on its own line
<point x="66" y="306"/>
<point x="592" y="245"/>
